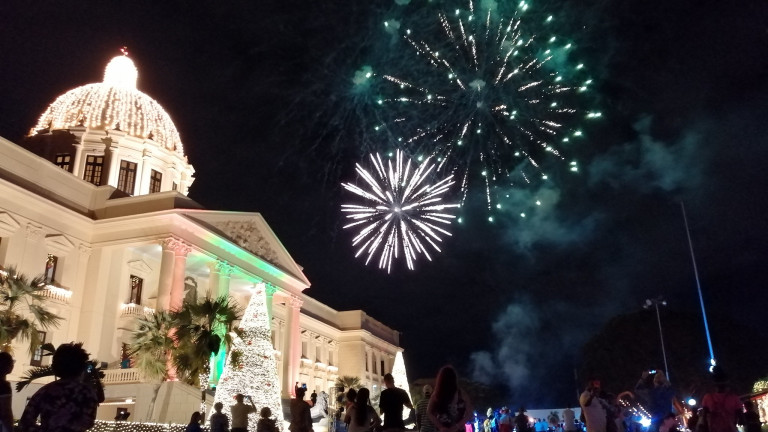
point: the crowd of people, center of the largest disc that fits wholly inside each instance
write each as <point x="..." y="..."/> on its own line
<point x="446" y="409"/>
<point x="654" y="406"/>
<point x="70" y="403"/>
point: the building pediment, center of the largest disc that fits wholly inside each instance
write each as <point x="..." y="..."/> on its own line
<point x="248" y="235"/>
<point x="250" y="232"/>
<point x="8" y="225"/>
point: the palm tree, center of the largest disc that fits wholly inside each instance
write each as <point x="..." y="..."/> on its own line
<point x="22" y="314"/>
<point x="347" y="382"/>
<point x="202" y="330"/>
<point x="152" y="344"/>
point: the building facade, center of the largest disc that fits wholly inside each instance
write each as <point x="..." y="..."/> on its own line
<point x="95" y="200"/>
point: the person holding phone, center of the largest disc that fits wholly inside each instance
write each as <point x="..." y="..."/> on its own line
<point x="69" y="403"/>
<point x="593" y="407"/>
<point x="240" y="413"/>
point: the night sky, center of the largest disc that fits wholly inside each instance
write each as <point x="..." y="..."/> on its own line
<point x="260" y="94"/>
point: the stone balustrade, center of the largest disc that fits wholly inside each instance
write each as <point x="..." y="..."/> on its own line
<point x="59" y="295"/>
<point x="133" y="310"/>
<point x="121" y="376"/>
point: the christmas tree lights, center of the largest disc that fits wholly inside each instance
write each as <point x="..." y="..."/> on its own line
<point x="251" y="368"/>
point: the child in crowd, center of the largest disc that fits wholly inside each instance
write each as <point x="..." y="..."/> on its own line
<point x="266" y="423"/>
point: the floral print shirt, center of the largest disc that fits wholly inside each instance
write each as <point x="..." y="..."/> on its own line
<point x="66" y="405"/>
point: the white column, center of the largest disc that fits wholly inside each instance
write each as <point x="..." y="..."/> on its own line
<point x="142" y="185"/>
<point x="114" y="165"/>
<point x="292" y="345"/>
<point x="166" y="275"/>
<point x="271" y="290"/>
<point x="225" y="276"/>
<point x="213" y="279"/>
<point x="179" y="273"/>
<point x="170" y="290"/>
<point x="77" y="159"/>
<point x="78" y="290"/>
<point x="33" y="234"/>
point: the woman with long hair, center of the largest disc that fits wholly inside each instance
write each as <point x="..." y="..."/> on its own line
<point x="362" y="416"/>
<point x="449" y="407"/>
<point x="194" y="422"/>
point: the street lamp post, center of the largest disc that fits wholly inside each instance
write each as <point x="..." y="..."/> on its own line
<point x="655" y="303"/>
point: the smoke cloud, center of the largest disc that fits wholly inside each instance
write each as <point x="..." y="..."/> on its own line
<point x="648" y="164"/>
<point x="512" y="358"/>
<point x="540" y="220"/>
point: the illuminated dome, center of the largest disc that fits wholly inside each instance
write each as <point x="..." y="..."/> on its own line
<point x="115" y="104"/>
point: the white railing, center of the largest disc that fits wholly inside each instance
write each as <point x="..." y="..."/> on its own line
<point x="132" y="309"/>
<point x="57" y="294"/>
<point x="121" y="376"/>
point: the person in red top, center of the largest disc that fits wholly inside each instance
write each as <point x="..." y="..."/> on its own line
<point x="722" y="408"/>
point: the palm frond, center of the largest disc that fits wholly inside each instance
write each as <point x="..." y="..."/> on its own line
<point x="202" y="328"/>
<point x="152" y="342"/>
<point x="33" y="374"/>
<point x="22" y="309"/>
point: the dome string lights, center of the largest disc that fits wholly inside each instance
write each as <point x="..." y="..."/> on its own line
<point x="114" y="104"/>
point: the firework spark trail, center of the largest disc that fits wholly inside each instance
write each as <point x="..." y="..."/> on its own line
<point x="486" y="93"/>
<point x="402" y="210"/>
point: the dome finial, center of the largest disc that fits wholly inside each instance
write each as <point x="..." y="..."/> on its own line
<point x="121" y="72"/>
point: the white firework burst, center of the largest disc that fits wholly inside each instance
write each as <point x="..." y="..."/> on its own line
<point x="403" y="212"/>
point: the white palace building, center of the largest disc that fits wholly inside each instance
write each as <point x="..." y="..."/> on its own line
<point x="95" y="198"/>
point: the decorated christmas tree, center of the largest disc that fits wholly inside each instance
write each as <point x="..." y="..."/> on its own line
<point x="401" y="379"/>
<point x="251" y="369"/>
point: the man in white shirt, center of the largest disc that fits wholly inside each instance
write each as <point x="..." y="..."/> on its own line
<point x="240" y="413"/>
<point x="593" y="407"/>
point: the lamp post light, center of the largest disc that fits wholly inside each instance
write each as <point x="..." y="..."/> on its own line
<point x="655" y="303"/>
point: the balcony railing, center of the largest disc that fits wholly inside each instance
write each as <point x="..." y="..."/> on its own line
<point x="122" y="376"/>
<point x="57" y="294"/>
<point x="132" y="309"/>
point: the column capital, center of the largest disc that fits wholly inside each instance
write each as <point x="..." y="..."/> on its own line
<point x="295" y="302"/>
<point x="223" y="268"/>
<point x="178" y="247"/>
<point x="271" y="290"/>
<point x="84" y="250"/>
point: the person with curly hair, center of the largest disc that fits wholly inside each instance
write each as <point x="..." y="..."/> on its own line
<point x="68" y="404"/>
